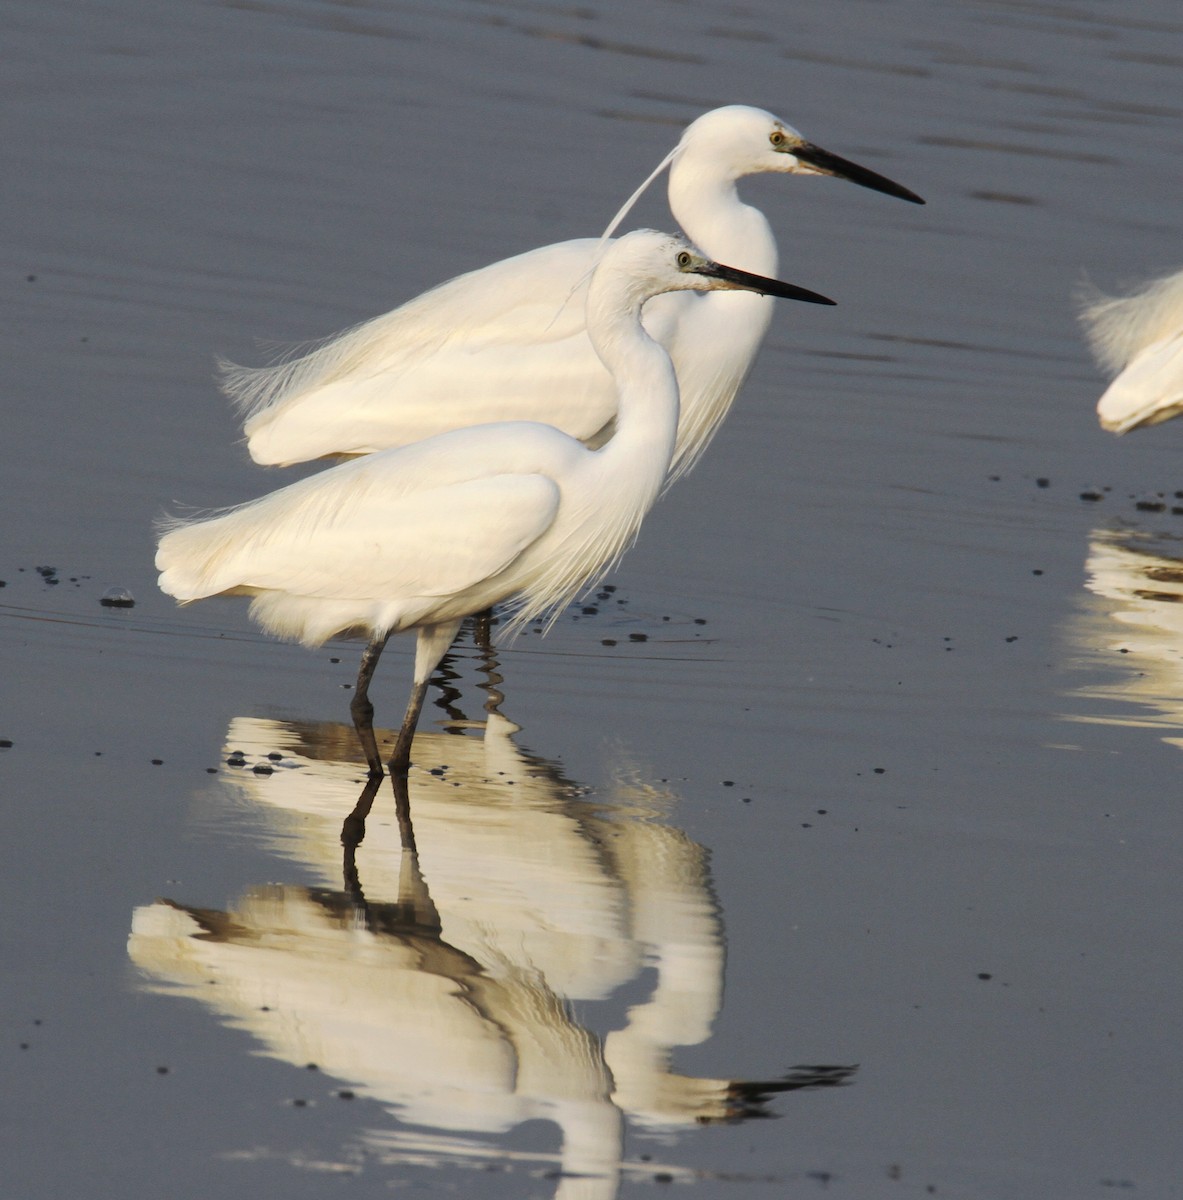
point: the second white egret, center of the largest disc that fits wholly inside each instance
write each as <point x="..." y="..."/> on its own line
<point x="509" y="341"/>
<point x="423" y="536"/>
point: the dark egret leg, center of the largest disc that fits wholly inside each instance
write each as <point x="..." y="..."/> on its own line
<point x="482" y="629"/>
<point x="433" y="644"/>
<point x="400" y="760"/>
<point x="360" y="708"/>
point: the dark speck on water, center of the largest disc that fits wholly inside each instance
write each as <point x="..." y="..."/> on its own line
<point x="117" y="597"/>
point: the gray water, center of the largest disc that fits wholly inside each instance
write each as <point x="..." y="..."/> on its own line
<point x="884" y="817"/>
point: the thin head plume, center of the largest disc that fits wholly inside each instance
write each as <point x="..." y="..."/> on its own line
<point x="626" y="208"/>
<point x="614" y="224"/>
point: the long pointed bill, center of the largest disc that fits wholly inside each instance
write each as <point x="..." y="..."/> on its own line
<point x="825" y="163"/>
<point x="759" y="283"/>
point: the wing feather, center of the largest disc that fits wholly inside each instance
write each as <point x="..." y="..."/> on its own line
<point x="433" y="364"/>
<point x="430" y="520"/>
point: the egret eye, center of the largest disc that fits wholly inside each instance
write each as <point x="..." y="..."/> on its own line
<point x="684" y="259"/>
<point x="778" y="139"/>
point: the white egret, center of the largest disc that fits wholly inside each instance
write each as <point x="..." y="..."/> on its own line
<point x="422" y="536"/>
<point x="1139" y="338"/>
<point x="508" y="342"/>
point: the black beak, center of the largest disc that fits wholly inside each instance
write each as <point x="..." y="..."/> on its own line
<point x="842" y="168"/>
<point x="758" y="283"/>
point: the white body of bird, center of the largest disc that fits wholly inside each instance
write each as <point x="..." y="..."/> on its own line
<point x="425" y="535"/>
<point x="1139" y="338"/>
<point x="509" y="341"/>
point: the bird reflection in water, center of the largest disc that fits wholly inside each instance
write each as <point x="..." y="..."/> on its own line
<point x="436" y="968"/>
<point x="1135" y="623"/>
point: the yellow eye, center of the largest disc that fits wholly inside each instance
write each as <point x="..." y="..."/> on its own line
<point x="685" y="258"/>
<point x="777" y="138"/>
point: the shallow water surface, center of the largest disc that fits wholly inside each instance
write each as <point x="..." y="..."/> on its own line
<point x="854" y="804"/>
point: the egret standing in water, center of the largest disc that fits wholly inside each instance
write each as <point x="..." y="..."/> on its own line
<point x="509" y="341"/>
<point x="1139" y="338"/>
<point x="422" y="536"/>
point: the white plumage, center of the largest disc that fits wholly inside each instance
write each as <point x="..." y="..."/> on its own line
<point x="1139" y="339"/>
<point x="422" y="536"/>
<point x="509" y="342"/>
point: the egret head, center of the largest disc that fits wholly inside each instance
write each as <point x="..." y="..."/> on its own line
<point x="741" y="140"/>
<point x="644" y="263"/>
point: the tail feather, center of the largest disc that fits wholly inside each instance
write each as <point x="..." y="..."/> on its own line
<point x="1119" y="326"/>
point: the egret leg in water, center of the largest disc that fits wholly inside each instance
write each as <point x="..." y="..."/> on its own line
<point x="423" y="536"/>
<point x="360" y="707"/>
